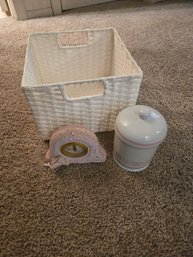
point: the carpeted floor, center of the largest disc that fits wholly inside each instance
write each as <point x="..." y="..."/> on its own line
<point x="99" y="209"/>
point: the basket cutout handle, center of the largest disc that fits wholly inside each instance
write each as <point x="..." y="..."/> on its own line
<point x="83" y="90"/>
<point x="73" y="39"/>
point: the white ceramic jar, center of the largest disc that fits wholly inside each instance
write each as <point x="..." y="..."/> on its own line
<point x="139" y="130"/>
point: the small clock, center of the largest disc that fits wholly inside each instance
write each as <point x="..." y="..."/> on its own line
<point x="73" y="144"/>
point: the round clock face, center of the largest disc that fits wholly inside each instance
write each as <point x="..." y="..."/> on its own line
<point x="74" y="149"/>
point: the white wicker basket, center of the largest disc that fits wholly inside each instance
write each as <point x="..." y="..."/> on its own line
<point x="84" y="77"/>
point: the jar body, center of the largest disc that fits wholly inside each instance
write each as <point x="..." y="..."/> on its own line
<point x="132" y="157"/>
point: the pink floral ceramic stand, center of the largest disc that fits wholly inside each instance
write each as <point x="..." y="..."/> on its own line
<point x="73" y="144"/>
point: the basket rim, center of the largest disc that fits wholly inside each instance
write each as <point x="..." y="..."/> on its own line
<point x="31" y="34"/>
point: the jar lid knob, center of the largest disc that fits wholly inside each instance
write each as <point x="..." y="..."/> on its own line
<point x="145" y="113"/>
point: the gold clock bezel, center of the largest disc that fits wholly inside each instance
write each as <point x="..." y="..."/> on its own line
<point x="74" y="155"/>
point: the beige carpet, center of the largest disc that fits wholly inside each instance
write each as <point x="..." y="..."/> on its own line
<point x="99" y="209"/>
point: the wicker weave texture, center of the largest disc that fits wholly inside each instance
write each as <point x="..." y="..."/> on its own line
<point x="79" y="77"/>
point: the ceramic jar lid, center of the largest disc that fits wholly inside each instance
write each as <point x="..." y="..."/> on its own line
<point x="141" y="125"/>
